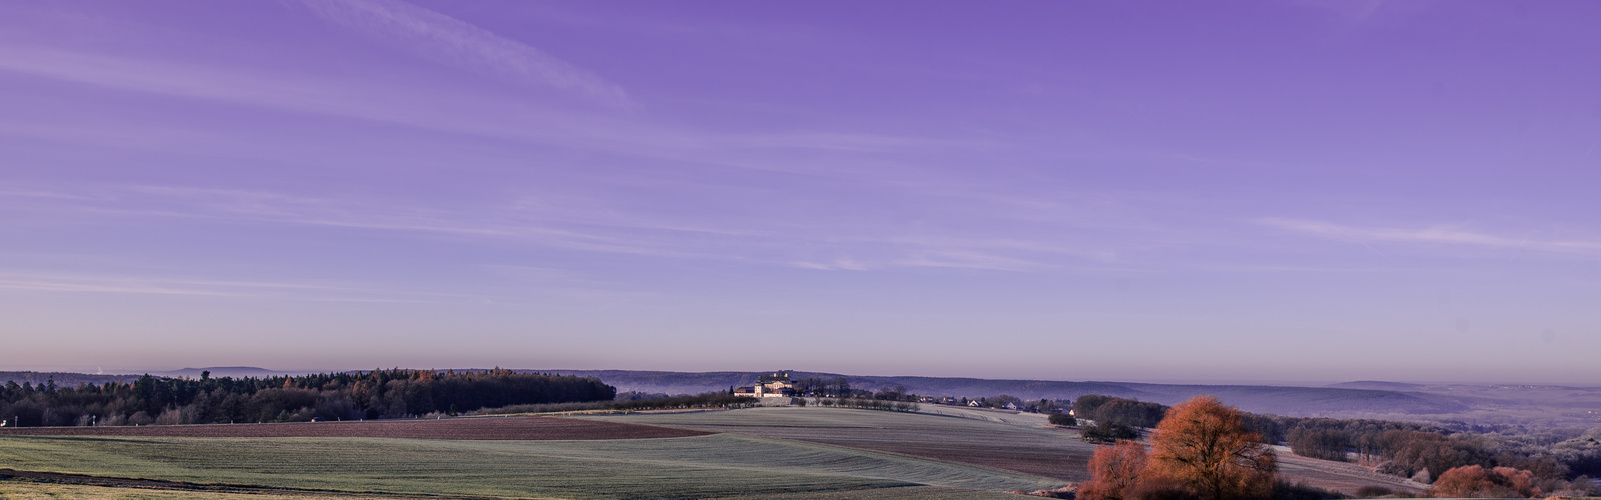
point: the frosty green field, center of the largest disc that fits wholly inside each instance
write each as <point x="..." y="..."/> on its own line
<point x="1004" y="440"/>
<point x="21" y="490"/>
<point x="1019" y="442"/>
<point x="801" y="452"/>
<point x="692" y="467"/>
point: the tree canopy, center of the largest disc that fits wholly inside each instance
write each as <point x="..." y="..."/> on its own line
<point x="1206" y="447"/>
<point x="349" y="395"/>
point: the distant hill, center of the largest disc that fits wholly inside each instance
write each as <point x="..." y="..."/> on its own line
<point x="1294" y="401"/>
<point x="675" y="382"/>
<point x="62" y="379"/>
<point x="67" y="379"/>
<point x="1378" y="385"/>
<point x="227" y="371"/>
<point x="1311" y="401"/>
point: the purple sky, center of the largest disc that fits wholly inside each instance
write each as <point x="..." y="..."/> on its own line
<point x="1265" y="191"/>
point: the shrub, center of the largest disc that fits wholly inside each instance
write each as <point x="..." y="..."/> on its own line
<point x="1475" y="481"/>
<point x="1391" y="468"/>
<point x="141" y="418"/>
<point x="1063" y="419"/>
<point x="1283" y="490"/>
<point x="1106" y="431"/>
<point x="1161" y="488"/>
<point x="1114" y="470"/>
<point x="1581" y="486"/>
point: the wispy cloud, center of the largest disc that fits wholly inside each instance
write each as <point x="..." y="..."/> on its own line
<point x="1439" y="235"/>
<point x="448" y="40"/>
<point x="397" y="101"/>
<point x="38" y="194"/>
<point x="575" y="223"/>
<point x="386" y="101"/>
<point x="617" y="234"/>
<point x="156" y="285"/>
<point x="842" y="142"/>
<point x="266" y="89"/>
<point x="491" y="221"/>
<point x="835" y="265"/>
<point x="928" y="258"/>
<point x="969" y="260"/>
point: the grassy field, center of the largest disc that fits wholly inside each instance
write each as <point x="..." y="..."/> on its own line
<point x="22" y="490"/>
<point x="765" y="452"/>
<point x="723" y="465"/>
<point x="15" y="490"/>
<point x="812" y="422"/>
<point x="987" y="438"/>
<point x="1018" y="443"/>
<point x="497" y="428"/>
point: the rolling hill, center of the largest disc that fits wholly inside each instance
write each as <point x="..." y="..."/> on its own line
<point x="1283" y="400"/>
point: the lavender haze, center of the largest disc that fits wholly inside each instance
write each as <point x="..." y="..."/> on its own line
<point x="1287" y="191"/>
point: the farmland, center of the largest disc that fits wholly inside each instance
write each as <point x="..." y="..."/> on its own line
<point x="12" y="490"/>
<point x="19" y="490"/>
<point x="518" y="428"/>
<point x="1012" y="441"/>
<point x="676" y="467"/>
<point x="1003" y="440"/>
<point x="763" y="452"/>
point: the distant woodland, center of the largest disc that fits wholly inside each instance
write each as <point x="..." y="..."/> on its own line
<point x="631" y="402"/>
<point x="337" y="396"/>
<point x="1407" y="449"/>
<point x="65" y="379"/>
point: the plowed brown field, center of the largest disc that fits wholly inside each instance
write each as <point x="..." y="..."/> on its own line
<point x="507" y="428"/>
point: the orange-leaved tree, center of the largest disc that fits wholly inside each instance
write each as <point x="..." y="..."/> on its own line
<point x="1205" y="446"/>
<point x="1472" y="481"/>
<point x="1113" y="471"/>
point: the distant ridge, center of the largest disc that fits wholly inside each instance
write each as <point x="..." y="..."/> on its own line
<point x="1380" y="385"/>
<point x="227" y="371"/>
<point x="1292" y="401"/>
<point x="62" y="379"/>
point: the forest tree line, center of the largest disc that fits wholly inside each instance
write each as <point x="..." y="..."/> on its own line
<point x="831" y="387"/>
<point x="633" y="401"/>
<point x="1408" y="449"/>
<point x="395" y="393"/>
